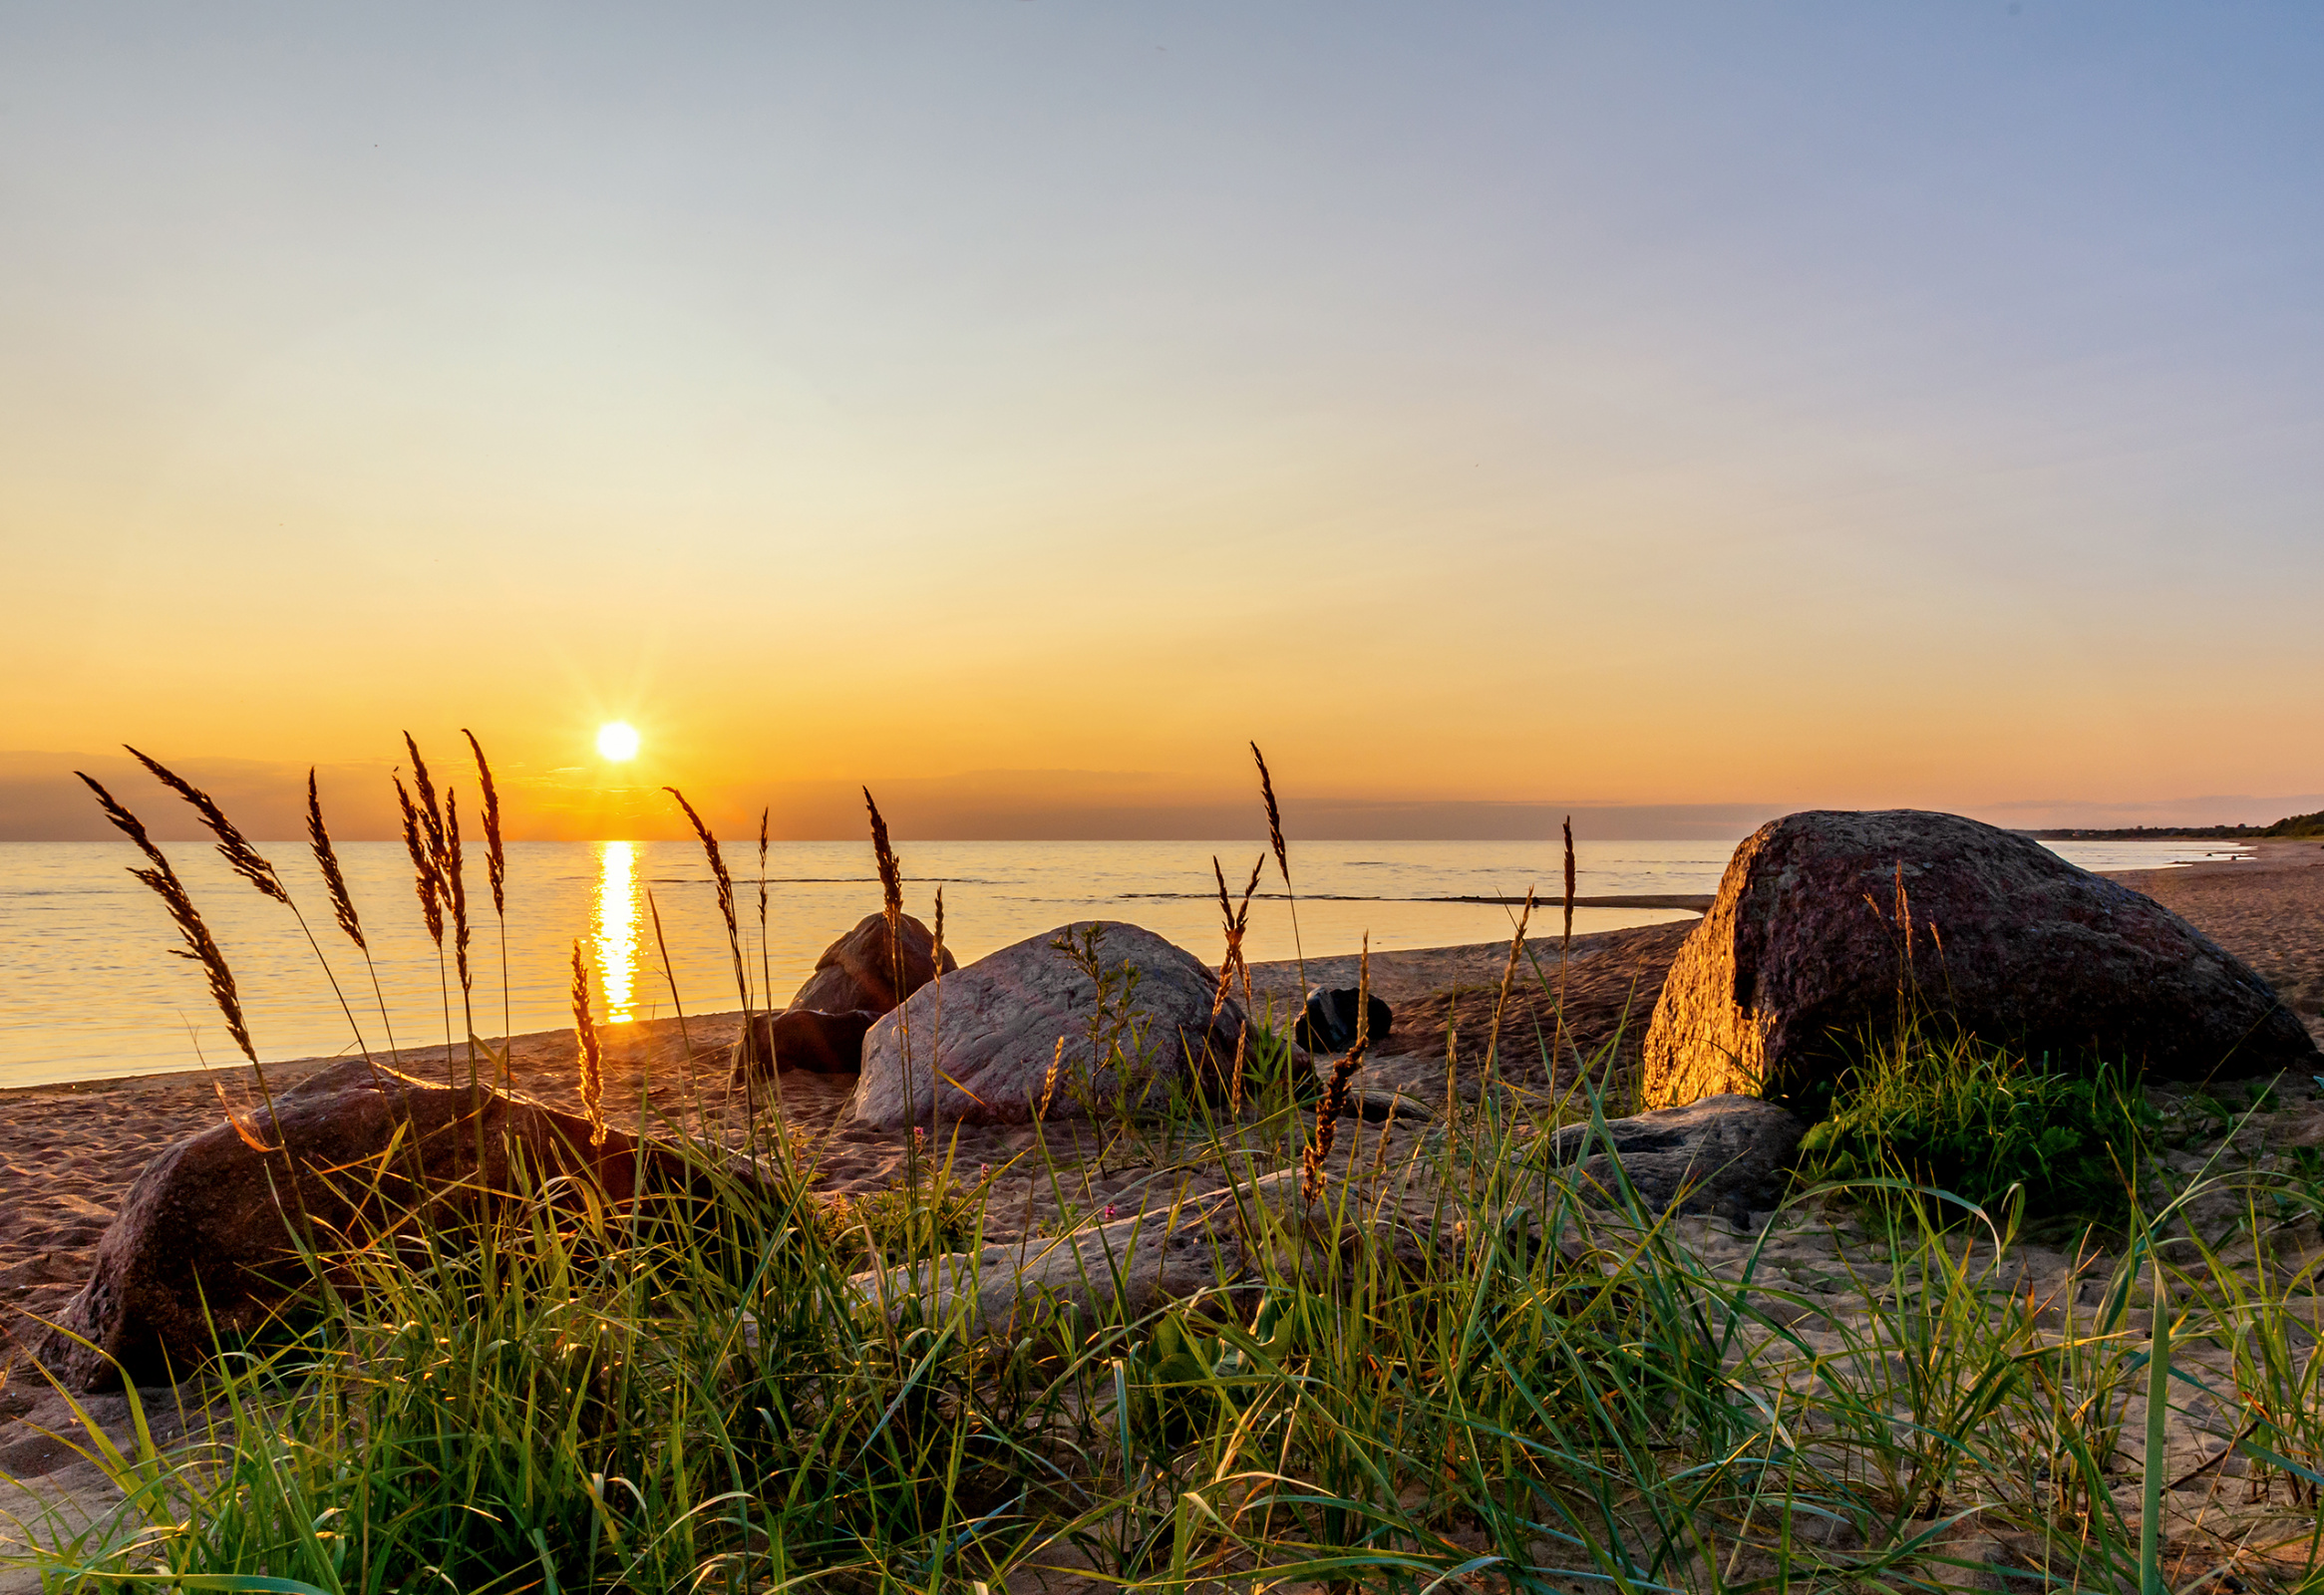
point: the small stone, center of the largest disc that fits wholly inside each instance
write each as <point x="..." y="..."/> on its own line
<point x="1328" y="1024"/>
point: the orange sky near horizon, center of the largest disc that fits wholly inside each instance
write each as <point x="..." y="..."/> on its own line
<point x="1018" y="412"/>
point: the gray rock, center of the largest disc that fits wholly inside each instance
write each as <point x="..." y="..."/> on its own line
<point x="1723" y="1154"/>
<point x="991" y="1030"/>
<point x="1807" y="945"/>
<point x="1056" y="1287"/>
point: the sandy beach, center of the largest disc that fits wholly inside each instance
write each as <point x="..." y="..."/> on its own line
<point x="69" y="1151"/>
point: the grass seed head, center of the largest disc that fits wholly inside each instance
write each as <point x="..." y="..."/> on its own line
<point x="431" y="812"/>
<point x="1274" y="815"/>
<point x="884" y="854"/>
<point x="456" y="883"/>
<point x="1570" y="877"/>
<point x="495" y="855"/>
<point x="718" y="869"/>
<point x="200" y="946"/>
<point x="592" y="1055"/>
<point x="327" y="860"/>
<point x="233" y="847"/>
<point x="427" y="875"/>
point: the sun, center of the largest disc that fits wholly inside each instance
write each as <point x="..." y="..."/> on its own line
<point x="617" y="740"/>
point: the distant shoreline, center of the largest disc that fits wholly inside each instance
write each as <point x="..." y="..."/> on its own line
<point x="2169" y="834"/>
<point x="2292" y="827"/>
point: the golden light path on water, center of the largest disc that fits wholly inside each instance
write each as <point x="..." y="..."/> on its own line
<point x="614" y="930"/>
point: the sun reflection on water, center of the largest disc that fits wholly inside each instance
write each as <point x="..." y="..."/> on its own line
<point x="615" y="930"/>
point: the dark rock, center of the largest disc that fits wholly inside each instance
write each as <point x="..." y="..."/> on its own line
<point x="991" y="1031"/>
<point x="203" y="1226"/>
<point x="1329" y="1023"/>
<point x="858" y="972"/>
<point x="1723" y="1154"/>
<point x="1824" y="916"/>
<point x="802" y="1038"/>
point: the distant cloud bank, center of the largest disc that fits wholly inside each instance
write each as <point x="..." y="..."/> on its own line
<point x="40" y="801"/>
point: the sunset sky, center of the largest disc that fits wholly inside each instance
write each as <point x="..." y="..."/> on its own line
<point x="1685" y="413"/>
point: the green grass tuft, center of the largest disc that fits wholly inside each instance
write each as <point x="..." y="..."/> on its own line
<point x="1980" y="1121"/>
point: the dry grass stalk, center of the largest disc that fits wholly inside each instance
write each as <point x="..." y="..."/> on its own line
<point x="726" y="902"/>
<point x="1236" y="921"/>
<point x="592" y="1055"/>
<point x="1048" y="1082"/>
<point x="890" y="871"/>
<point x="936" y="1019"/>
<point x="243" y="1126"/>
<point x="1508" y="975"/>
<point x="1334" y="1100"/>
<point x="246" y="862"/>
<point x="233" y="847"/>
<point x="1565" y="945"/>
<point x="1242" y="1035"/>
<point x="766" y="963"/>
<point x="1452" y="1058"/>
<point x="455" y="880"/>
<point x="496" y="871"/>
<point x="425" y="879"/>
<point x="431" y="812"/>
<point x="1274" y="815"/>
<point x="327" y="862"/>
<point x="201" y="948"/>
<point x="718" y="869"/>
<point x="1282" y="858"/>
<point x="892" y="906"/>
<point x="495" y="853"/>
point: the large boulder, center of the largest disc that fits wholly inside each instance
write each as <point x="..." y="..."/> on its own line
<point x="207" y="1226"/>
<point x="1826" y="922"/>
<point x="1729" y="1155"/>
<point x="859" y="970"/>
<point x="991" y="1032"/>
<point x="801" y="1038"/>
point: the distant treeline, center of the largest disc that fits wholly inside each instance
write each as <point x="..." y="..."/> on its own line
<point x="2292" y="826"/>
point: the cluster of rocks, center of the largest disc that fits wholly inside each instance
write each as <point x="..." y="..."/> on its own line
<point x="864" y="974"/>
<point x="1824" y="923"/>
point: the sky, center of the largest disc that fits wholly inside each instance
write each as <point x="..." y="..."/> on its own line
<point x="1676" y="413"/>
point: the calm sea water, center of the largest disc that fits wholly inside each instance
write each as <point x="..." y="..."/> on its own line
<point x="88" y="989"/>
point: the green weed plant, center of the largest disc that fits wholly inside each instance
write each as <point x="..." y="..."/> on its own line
<point x="1938" y="1109"/>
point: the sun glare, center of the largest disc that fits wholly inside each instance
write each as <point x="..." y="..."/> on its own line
<point x="618" y="740"/>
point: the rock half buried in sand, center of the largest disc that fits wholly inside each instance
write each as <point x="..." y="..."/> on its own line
<point x="1055" y="1288"/>
<point x="1328" y="1024"/>
<point x="990" y="1032"/>
<point x="1805" y="946"/>
<point x="857" y="970"/>
<point x="204" y="1224"/>
<point x="1723" y="1154"/>
<point x="801" y="1038"/>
